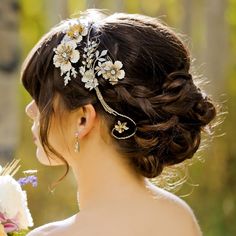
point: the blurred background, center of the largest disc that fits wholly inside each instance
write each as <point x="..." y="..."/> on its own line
<point x="209" y="30"/>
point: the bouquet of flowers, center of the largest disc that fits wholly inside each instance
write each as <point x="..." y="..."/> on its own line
<point x="15" y="217"/>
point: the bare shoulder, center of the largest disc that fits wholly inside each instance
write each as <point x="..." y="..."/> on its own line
<point x="52" y="229"/>
<point x="178" y="215"/>
<point x="43" y="230"/>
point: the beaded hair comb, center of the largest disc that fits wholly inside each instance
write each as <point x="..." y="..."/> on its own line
<point x="95" y="65"/>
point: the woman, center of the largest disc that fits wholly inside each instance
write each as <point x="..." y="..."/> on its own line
<point x="114" y="100"/>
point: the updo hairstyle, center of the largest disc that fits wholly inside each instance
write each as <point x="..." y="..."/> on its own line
<point x="158" y="91"/>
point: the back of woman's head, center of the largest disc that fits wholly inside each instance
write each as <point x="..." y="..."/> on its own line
<point x="158" y="91"/>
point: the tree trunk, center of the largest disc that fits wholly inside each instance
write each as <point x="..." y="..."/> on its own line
<point x="187" y="17"/>
<point x="119" y="5"/>
<point x="93" y="3"/>
<point x="9" y="61"/>
<point x="216" y="45"/>
<point x="57" y="10"/>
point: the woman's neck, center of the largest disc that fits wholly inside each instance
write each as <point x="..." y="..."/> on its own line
<point x="103" y="177"/>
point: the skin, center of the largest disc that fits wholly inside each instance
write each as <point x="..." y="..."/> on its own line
<point x="113" y="199"/>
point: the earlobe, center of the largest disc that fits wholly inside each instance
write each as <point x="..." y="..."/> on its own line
<point x="86" y="120"/>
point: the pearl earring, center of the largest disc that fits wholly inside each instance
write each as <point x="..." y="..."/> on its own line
<point x="77" y="146"/>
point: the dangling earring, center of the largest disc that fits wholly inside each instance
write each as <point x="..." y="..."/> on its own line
<point x="77" y="146"/>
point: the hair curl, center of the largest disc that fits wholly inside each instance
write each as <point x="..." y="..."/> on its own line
<point x="169" y="109"/>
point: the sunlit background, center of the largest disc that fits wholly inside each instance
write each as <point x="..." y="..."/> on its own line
<point x="209" y="30"/>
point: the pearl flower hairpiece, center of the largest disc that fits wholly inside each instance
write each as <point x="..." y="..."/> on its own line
<point x="95" y="64"/>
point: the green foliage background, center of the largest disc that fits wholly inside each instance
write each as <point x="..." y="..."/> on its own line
<point x="213" y="201"/>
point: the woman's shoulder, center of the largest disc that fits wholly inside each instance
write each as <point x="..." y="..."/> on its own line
<point x="167" y="214"/>
<point x="46" y="229"/>
<point x="174" y="209"/>
<point x="170" y="199"/>
<point x="43" y="230"/>
<point x="52" y="229"/>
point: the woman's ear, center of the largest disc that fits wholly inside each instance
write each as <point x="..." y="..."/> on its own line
<point x="86" y="120"/>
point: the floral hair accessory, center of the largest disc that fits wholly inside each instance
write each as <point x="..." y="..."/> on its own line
<point x="95" y="65"/>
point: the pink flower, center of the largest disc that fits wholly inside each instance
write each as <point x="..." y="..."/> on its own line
<point x="9" y="225"/>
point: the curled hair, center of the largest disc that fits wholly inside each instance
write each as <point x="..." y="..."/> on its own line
<point x="158" y="91"/>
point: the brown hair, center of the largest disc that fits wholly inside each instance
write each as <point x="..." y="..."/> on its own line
<point x="158" y="91"/>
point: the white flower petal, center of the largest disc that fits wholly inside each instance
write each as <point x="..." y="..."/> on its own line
<point x="84" y="79"/>
<point x="118" y="64"/>
<point x="13" y="202"/>
<point x="108" y="65"/>
<point x="56" y="61"/>
<point x="104" y="75"/>
<point x="121" y="74"/>
<point x="59" y="48"/>
<point x="85" y="31"/>
<point x="75" y="56"/>
<point x="65" y="67"/>
<point x="72" y="44"/>
<point x="113" y="81"/>
<point x="79" y="39"/>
